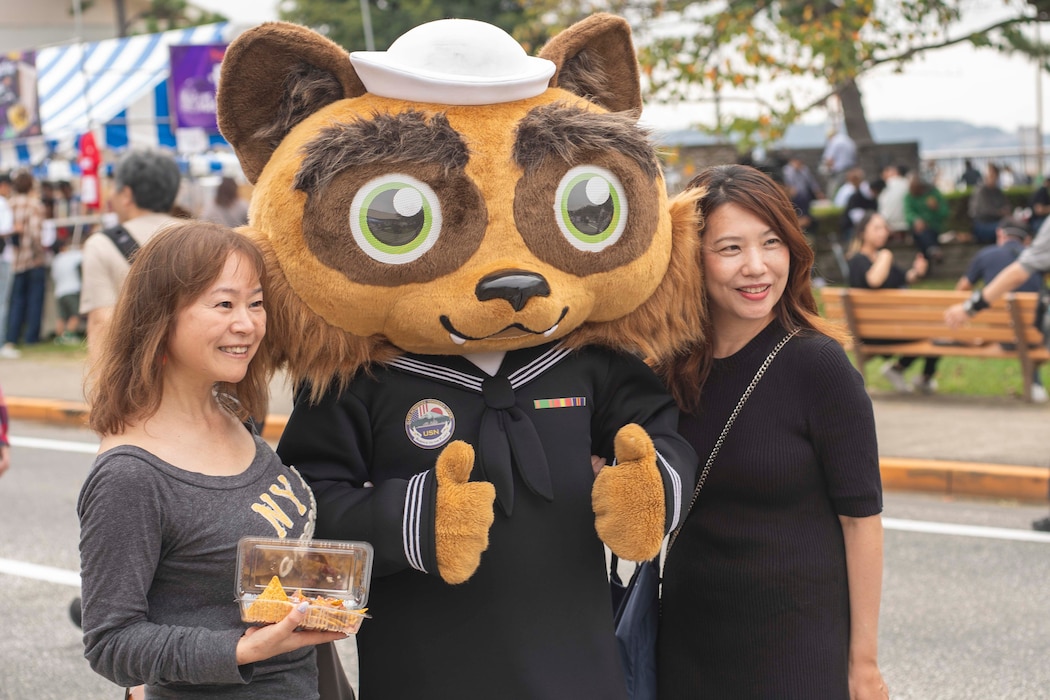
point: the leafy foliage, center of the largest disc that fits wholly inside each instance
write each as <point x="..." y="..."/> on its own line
<point x="342" y="21"/>
<point x="162" y="15"/>
<point x="760" y="51"/>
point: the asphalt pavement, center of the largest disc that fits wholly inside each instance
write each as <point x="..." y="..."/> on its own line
<point x="984" y="446"/>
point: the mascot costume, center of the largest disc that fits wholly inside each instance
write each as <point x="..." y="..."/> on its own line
<point x="469" y="250"/>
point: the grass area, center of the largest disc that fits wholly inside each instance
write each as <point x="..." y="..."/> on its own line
<point x="46" y="349"/>
<point x="963" y="376"/>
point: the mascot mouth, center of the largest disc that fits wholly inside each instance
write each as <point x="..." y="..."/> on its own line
<point x="514" y="330"/>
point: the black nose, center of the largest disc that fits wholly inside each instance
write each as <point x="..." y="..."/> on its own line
<point x="516" y="286"/>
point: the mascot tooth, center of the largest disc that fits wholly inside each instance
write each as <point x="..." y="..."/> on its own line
<point x="469" y="251"/>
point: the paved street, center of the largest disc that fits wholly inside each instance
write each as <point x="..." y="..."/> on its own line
<point x="963" y="615"/>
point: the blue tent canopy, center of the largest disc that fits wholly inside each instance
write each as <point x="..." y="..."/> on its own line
<point x="118" y="87"/>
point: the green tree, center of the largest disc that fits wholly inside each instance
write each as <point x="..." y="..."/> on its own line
<point x="342" y="22"/>
<point x="160" y="16"/>
<point x="759" y="52"/>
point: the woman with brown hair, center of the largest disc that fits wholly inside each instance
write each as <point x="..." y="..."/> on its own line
<point x="772" y="583"/>
<point x="872" y="266"/>
<point x="179" y="480"/>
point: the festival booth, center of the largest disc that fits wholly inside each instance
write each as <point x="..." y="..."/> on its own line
<point x="145" y="91"/>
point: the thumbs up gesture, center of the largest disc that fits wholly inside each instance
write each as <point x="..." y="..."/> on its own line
<point x="628" y="498"/>
<point x="463" y="514"/>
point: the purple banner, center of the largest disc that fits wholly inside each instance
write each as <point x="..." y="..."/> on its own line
<point x="19" y="113"/>
<point x="194" y="77"/>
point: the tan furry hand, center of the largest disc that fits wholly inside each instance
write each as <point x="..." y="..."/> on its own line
<point x="463" y="514"/>
<point x="628" y="498"/>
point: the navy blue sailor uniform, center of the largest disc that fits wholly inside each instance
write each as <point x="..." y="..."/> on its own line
<point x="535" y="619"/>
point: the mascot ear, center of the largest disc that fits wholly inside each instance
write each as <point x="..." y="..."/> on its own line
<point x="595" y="60"/>
<point x="273" y="77"/>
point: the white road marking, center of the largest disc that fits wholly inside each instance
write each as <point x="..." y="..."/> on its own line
<point x="957" y="530"/>
<point x="37" y="572"/>
<point x="57" y="445"/>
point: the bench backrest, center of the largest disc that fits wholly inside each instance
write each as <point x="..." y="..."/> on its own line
<point x="918" y="314"/>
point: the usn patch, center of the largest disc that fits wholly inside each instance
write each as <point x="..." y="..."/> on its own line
<point x="430" y="424"/>
<point x="560" y="403"/>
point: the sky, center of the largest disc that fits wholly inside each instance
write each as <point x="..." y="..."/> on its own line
<point x="962" y="83"/>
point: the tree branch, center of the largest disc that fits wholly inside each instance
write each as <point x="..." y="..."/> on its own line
<point x="947" y="42"/>
<point x="837" y="88"/>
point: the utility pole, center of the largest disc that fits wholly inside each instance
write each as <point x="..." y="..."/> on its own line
<point x="1039" y="104"/>
<point x="366" y="20"/>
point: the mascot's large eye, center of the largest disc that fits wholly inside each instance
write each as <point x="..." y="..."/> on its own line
<point x="395" y="219"/>
<point x="590" y="208"/>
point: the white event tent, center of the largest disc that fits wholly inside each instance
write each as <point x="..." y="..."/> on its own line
<point x="116" y="87"/>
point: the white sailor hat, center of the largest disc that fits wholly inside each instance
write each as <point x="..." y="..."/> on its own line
<point x="455" y="62"/>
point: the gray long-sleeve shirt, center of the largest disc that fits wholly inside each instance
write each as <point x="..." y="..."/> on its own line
<point x="158" y="566"/>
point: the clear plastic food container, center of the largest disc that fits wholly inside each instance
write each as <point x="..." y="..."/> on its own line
<point x="274" y="575"/>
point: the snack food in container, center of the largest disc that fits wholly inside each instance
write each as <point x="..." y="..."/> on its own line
<point x="274" y="575"/>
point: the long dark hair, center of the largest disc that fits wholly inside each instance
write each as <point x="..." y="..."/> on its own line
<point x="756" y="193"/>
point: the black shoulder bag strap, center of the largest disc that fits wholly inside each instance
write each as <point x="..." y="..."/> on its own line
<point x="127" y="245"/>
<point x="725" y="431"/>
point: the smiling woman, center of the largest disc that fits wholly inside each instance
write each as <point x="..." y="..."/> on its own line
<point x="780" y="561"/>
<point x="178" y="480"/>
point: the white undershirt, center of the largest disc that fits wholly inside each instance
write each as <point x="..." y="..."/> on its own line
<point x="487" y="362"/>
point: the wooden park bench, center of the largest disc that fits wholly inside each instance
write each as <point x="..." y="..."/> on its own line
<point x="915" y="318"/>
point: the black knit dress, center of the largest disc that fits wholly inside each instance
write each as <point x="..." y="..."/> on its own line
<point x="755" y="600"/>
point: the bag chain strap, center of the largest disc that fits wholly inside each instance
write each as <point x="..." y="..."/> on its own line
<point x="725" y="431"/>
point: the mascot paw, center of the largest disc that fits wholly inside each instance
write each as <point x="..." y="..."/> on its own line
<point x="628" y="498"/>
<point x="463" y="514"/>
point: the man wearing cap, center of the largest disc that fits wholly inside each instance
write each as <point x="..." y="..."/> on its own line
<point x="1028" y="267"/>
<point x="1033" y="261"/>
<point x="1010" y="239"/>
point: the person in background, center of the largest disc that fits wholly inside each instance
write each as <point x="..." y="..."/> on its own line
<point x="1040" y="204"/>
<point x="145" y="185"/>
<point x="891" y="199"/>
<point x="871" y="266"/>
<point x="802" y="188"/>
<point x="7" y="249"/>
<point x="47" y="198"/>
<point x="1035" y="258"/>
<point x="178" y="478"/>
<point x="840" y="154"/>
<point x="865" y="199"/>
<point x="5" y="444"/>
<point x="772" y="586"/>
<point x="1007" y="178"/>
<point x="988" y="205"/>
<point x="854" y="181"/>
<point x="926" y="212"/>
<point x="227" y="208"/>
<point x="1010" y="239"/>
<point x="971" y="176"/>
<point x="67" y="204"/>
<point x="26" y="309"/>
<point x="65" y="276"/>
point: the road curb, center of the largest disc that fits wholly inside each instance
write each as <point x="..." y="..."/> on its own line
<point x="75" y="413"/>
<point x="898" y="474"/>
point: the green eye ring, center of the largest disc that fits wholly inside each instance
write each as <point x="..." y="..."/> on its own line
<point x="590" y="208"/>
<point x="395" y="219"/>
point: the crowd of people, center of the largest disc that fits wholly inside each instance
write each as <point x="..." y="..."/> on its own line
<point x="161" y="295"/>
<point x="40" y="253"/>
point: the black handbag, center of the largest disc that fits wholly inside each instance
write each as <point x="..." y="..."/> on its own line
<point x="636" y="614"/>
<point x="637" y="605"/>
<point x="1042" y="319"/>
